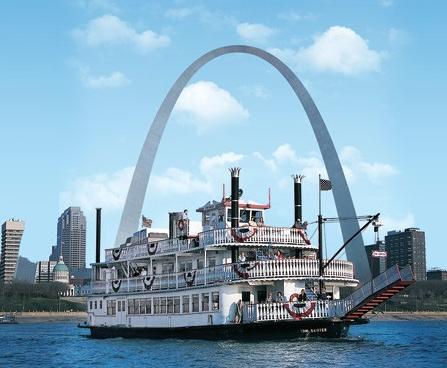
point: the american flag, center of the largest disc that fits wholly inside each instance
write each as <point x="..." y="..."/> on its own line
<point x="146" y="222"/>
<point x="325" y="184"/>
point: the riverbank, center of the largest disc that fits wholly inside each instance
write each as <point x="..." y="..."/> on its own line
<point x="48" y="317"/>
<point x="407" y="316"/>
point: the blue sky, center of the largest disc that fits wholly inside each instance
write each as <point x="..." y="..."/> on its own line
<point x="80" y="82"/>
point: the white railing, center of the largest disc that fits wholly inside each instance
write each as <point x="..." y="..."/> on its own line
<point x="262" y="235"/>
<point x="277" y="311"/>
<point x="274" y="269"/>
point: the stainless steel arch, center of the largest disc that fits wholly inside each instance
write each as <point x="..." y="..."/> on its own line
<point x="345" y="208"/>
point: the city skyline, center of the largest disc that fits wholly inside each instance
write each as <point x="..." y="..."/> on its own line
<point x="104" y="99"/>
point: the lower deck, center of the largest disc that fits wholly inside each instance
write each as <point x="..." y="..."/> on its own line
<point x="328" y="328"/>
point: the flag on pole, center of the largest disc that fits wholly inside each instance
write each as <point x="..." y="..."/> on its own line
<point x="146" y="222"/>
<point x="325" y="184"/>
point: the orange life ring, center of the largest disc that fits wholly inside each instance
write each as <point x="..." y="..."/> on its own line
<point x="295" y="295"/>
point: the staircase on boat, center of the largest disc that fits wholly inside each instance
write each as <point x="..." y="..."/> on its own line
<point x="377" y="291"/>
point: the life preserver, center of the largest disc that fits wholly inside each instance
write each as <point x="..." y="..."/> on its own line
<point x="242" y="234"/>
<point x="148" y="281"/>
<point x="181" y="224"/>
<point x="189" y="277"/>
<point x="304" y="236"/>
<point x="297" y="313"/>
<point x="116" y="284"/>
<point x="116" y="253"/>
<point x="242" y="270"/>
<point x="152" y="248"/>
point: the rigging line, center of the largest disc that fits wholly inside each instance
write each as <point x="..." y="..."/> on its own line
<point x="313" y="233"/>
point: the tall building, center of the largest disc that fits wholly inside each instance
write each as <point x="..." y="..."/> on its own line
<point x="376" y="257"/>
<point x="71" y="237"/>
<point x="44" y="271"/>
<point x="407" y="247"/>
<point x="12" y="231"/>
<point x="437" y="274"/>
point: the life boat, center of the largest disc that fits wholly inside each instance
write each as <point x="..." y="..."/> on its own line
<point x="298" y="310"/>
<point x="243" y="233"/>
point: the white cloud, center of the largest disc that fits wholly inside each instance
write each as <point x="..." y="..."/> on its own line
<point x="285" y="153"/>
<point x="107" y="191"/>
<point x="207" y="104"/>
<point x="376" y="170"/>
<point x="209" y="164"/>
<point x="177" y="181"/>
<point x="396" y="223"/>
<point x="111" y="30"/>
<point x="254" y="32"/>
<point x="269" y="162"/>
<point x="115" y="79"/>
<point x="257" y="91"/>
<point x="97" y="5"/>
<point x="338" y="49"/>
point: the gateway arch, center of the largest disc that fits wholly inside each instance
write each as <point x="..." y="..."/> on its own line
<point x="130" y="217"/>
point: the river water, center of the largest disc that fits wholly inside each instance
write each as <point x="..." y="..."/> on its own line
<point x="379" y="344"/>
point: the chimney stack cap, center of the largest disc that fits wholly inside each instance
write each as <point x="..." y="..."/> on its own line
<point x="298" y="178"/>
<point x="235" y="171"/>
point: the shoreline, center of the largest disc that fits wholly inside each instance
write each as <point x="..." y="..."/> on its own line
<point x="49" y="317"/>
<point x="407" y="316"/>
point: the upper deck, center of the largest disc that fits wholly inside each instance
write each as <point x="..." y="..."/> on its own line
<point x="247" y="236"/>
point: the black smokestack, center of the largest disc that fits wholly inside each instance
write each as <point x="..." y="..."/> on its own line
<point x="235" y="171"/>
<point x="297" y="198"/>
<point x="98" y="235"/>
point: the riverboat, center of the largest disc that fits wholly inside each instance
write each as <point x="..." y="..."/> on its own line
<point x="237" y="277"/>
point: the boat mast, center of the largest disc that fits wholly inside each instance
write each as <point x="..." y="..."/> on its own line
<point x="235" y="171"/>
<point x="320" y="239"/>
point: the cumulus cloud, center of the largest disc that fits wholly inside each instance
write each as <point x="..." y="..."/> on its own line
<point x="177" y="181"/>
<point x="339" y="50"/>
<point x="257" y="91"/>
<point x="111" y="30"/>
<point x="207" y="104"/>
<point x="107" y="191"/>
<point x="113" y="80"/>
<point x="312" y="165"/>
<point x="209" y="164"/>
<point x="254" y="32"/>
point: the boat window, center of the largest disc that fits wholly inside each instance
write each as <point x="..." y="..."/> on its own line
<point x="96" y="304"/>
<point x="137" y="306"/>
<point x="156" y="305"/>
<point x="170" y="303"/>
<point x="215" y="300"/>
<point x="91" y="304"/>
<point x="246" y="296"/>
<point x="185" y="266"/>
<point x="205" y="302"/>
<point x="148" y="306"/>
<point x="162" y="305"/>
<point x="244" y="215"/>
<point x="195" y="302"/>
<point x="143" y="306"/>
<point x="185" y="304"/>
<point x="119" y="305"/>
<point x="199" y="263"/>
<point x="100" y="304"/>
<point x="131" y="306"/>
<point x="211" y="262"/>
<point x="167" y="268"/>
<point x="256" y="216"/>
<point x="111" y="307"/>
<point x="177" y="304"/>
<point x="229" y="214"/>
<point x="205" y="218"/>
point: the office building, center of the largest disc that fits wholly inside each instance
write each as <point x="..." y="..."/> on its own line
<point x="437" y="274"/>
<point x="407" y="247"/>
<point x="71" y="238"/>
<point x="376" y="257"/>
<point x="44" y="271"/>
<point x="12" y="231"/>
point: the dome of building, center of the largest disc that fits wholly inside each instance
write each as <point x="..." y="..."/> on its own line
<point x="61" y="272"/>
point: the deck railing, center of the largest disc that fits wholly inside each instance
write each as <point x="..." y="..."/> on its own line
<point x="267" y="270"/>
<point x="266" y="235"/>
<point x="277" y="311"/>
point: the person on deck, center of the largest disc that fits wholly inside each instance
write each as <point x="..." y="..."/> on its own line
<point x="280" y="298"/>
<point x="279" y="256"/>
<point x="303" y="296"/>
